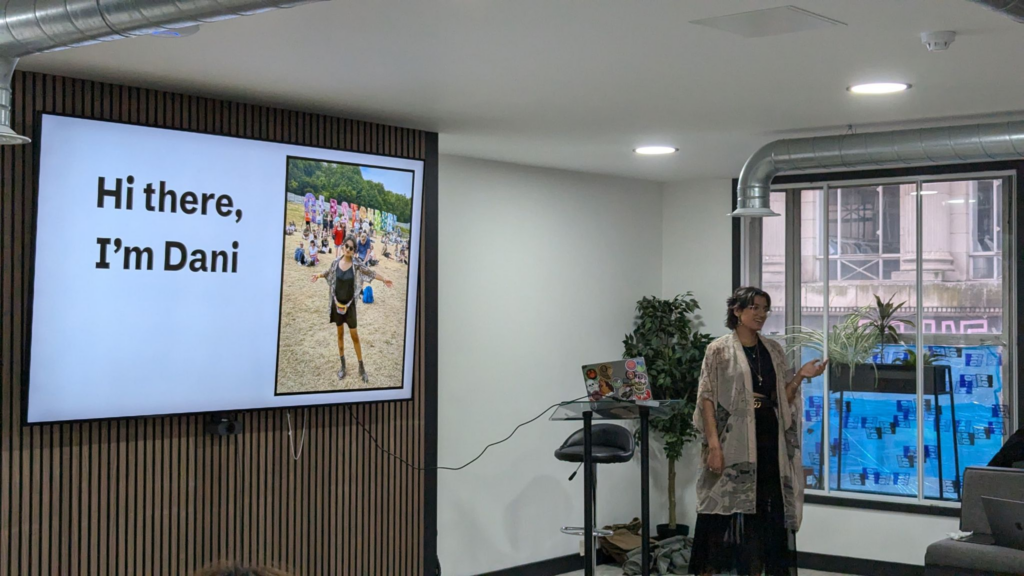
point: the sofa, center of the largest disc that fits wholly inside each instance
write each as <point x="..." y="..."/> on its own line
<point x="952" y="558"/>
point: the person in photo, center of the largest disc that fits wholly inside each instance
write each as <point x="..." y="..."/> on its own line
<point x="345" y="278"/>
<point x="339" y="235"/>
<point x="365" y="248"/>
<point x="313" y="259"/>
<point x="300" y="254"/>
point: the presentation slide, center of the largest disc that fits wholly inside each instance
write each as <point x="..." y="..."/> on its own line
<point x="177" y="272"/>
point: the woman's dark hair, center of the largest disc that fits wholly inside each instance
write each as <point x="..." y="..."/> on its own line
<point x="740" y="300"/>
<point x="349" y="241"/>
<point x="239" y="570"/>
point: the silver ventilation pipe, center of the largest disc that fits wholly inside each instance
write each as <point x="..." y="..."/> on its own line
<point x="945" y="145"/>
<point x="7" y="134"/>
<point x="1011" y="8"/>
<point x="34" y="26"/>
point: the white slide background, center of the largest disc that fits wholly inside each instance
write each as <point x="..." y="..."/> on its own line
<point x="116" y="342"/>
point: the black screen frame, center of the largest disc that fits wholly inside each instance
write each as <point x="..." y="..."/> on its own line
<point x="428" y="258"/>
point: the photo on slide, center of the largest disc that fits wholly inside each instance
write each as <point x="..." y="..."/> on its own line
<point x="345" y="277"/>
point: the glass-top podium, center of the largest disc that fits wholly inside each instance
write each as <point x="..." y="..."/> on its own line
<point x="606" y="410"/>
<point x="615" y="409"/>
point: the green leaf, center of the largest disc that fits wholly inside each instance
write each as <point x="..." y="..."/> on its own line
<point x="666" y="335"/>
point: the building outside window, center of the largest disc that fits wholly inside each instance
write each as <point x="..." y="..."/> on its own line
<point x="986" y="237"/>
<point x="899" y="415"/>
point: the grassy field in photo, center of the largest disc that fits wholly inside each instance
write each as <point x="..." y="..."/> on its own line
<point x="308" y="347"/>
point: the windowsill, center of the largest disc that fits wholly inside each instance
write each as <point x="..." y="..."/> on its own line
<point x="883" y="505"/>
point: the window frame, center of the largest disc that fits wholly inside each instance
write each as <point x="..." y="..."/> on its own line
<point x="998" y="215"/>
<point x="841" y="258"/>
<point x="747" y="239"/>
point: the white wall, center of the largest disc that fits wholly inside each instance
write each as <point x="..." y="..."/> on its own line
<point x="540" y="271"/>
<point x="697" y="256"/>
<point x="871" y="534"/>
<point x="697" y="251"/>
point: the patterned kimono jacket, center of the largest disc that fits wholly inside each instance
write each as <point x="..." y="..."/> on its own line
<point x="725" y="380"/>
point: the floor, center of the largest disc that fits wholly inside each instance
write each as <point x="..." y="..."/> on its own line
<point x="616" y="571"/>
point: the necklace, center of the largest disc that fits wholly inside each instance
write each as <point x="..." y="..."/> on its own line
<point x="756" y="356"/>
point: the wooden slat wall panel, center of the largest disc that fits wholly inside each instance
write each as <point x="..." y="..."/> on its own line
<point x="158" y="496"/>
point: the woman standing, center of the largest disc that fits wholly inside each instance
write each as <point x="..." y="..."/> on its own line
<point x="750" y="487"/>
<point x="345" y="282"/>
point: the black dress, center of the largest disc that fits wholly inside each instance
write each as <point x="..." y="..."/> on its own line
<point x="756" y="543"/>
<point x="344" y="292"/>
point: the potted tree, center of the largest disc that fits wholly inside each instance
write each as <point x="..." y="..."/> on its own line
<point x="666" y="336"/>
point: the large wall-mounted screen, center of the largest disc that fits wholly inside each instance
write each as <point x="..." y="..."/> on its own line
<point x="177" y="272"/>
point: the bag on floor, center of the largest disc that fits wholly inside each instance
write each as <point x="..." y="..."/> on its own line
<point x="368" y="295"/>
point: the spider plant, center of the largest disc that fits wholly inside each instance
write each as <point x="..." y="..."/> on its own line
<point x="849" y="342"/>
<point x="929" y="359"/>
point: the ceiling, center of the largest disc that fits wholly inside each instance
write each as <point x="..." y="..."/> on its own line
<point x="577" y="84"/>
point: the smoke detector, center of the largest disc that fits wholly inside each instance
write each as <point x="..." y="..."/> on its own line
<point x="938" y="41"/>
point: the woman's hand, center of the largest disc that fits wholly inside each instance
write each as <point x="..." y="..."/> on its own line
<point x="716" y="460"/>
<point x="388" y="283"/>
<point x="812" y="369"/>
<point x="315" y="278"/>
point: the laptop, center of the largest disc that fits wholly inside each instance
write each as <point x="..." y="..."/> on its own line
<point x="1006" y="519"/>
<point x="622" y="380"/>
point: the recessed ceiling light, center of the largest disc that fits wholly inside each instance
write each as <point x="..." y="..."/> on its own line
<point x="655" y="150"/>
<point x="879" y="88"/>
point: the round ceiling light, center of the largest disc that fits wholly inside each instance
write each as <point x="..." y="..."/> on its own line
<point x="655" y="150"/>
<point x="879" y="88"/>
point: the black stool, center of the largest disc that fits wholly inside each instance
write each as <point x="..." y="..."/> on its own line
<point x="610" y="444"/>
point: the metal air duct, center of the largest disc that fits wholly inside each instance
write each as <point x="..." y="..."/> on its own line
<point x="34" y="26"/>
<point x="945" y="145"/>
<point x="1011" y="8"/>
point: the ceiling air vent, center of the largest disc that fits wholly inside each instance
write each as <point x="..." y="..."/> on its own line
<point x="769" y="22"/>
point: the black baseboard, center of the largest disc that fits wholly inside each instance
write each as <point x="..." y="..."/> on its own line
<point x="807" y="560"/>
<point x="549" y="567"/>
<point x="856" y="566"/>
<point x="946" y="571"/>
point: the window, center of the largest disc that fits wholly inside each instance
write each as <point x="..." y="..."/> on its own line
<point x="773" y="265"/>
<point x="986" y="238"/>
<point x="918" y="389"/>
<point x="864" y="232"/>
